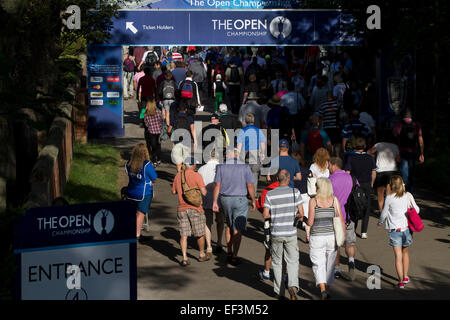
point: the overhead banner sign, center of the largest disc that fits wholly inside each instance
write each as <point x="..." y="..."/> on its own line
<point x="233" y="27"/>
<point x="213" y="4"/>
<point x="92" y="244"/>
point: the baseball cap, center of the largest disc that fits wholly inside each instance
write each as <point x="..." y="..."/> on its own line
<point x="223" y="107"/>
<point x="284" y="143"/>
<point x="215" y="115"/>
<point x="190" y="161"/>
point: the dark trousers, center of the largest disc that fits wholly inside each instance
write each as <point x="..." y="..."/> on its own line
<point x="365" y="221"/>
<point x="407" y="170"/>
<point x="153" y="146"/>
<point x="234" y="93"/>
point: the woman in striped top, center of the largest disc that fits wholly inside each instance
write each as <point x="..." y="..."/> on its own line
<point x="322" y="244"/>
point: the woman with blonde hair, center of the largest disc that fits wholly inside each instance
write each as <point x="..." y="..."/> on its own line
<point x="394" y="213"/>
<point x="322" y="243"/>
<point x="141" y="176"/>
<point x="319" y="168"/>
<point x="153" y="126"/>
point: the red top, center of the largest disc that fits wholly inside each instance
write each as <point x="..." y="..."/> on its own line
<point x="138" y="54"/>
<point x="262" y="198"/>
<point x="193" y="179"/>
<point x="148" y="86"/>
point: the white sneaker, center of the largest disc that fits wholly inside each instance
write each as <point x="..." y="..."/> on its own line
<point x="363" y="235"/>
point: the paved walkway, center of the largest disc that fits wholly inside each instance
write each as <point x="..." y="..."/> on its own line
<point x="161" y="277"/>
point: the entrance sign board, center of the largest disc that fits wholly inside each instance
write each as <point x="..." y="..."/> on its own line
<point x="98" y="238"/>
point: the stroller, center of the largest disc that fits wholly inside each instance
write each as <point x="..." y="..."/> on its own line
<point x="124" y="196"/>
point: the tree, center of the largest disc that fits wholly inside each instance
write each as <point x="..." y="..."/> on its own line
<point x="34" y="76"/>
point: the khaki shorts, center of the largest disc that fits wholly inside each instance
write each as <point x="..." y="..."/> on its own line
<point x="351" y="235"/>
<point x="191" y="222"/>
<point x="180" y="152"/>
<point x="220" y="216"/>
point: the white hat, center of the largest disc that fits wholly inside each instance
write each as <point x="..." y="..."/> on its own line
<point x="218" y="77"/>
<point x="223" y="107"/>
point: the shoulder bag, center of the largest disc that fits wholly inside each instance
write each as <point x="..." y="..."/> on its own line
<point x="339" y="233"/>
<point x="192" y="196"/>
<point x="415" y="224"/>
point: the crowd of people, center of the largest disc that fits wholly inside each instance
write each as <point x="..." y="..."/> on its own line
<point x="310" y="106"/>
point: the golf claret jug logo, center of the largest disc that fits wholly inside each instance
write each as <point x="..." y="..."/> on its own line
<point x="103" y="222"/>
<point x="280" y="28"/>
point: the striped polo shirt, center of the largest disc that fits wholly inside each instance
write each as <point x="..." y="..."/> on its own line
<point x="282" y="203"/>
<point x="329" y="111"/>
<point x="323" y="221"/>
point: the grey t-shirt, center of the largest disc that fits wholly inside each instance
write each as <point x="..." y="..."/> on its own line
<point x="233" y="177"/>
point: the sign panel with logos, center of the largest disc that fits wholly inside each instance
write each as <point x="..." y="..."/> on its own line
<point x="104" y="72"/>
<point x="98" y="238"/>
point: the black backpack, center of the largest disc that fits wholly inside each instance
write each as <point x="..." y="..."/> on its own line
<point x="408" y="135"/>
<point x="347" y="99"/>
<point x="168" y="90"/>
<point x="234" y="77"/>
<point x="285" y="123"/>
<point x="151" y="59"/>
<point x="219" y="86"/>
<point x="182" y="122"/>
<point x="356" y="205"/>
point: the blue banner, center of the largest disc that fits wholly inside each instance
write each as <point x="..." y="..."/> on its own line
<point x="104" y="82"/>
<point x="214" y="4"/>
<point x="234" y="27"/>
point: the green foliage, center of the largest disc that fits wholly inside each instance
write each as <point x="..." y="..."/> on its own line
<point x="7" y="269"/>
<point x="34" y="37"/>
<point x="93" y="174"/>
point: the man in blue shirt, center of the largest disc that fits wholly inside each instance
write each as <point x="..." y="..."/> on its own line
<point x="285" y="162"/>
<point x="253" y="142"/>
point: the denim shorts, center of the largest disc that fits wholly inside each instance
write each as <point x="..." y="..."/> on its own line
<point x="236" y="212"/>
<point x="144" y="205"/>
<point x="400" y="239"/>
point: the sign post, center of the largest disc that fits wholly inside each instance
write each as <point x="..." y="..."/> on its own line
<point x="78" y="252"/>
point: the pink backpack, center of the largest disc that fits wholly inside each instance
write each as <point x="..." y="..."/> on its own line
<point x="414" y="222"/>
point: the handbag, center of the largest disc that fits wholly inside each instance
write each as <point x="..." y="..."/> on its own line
<point x="192" y="196"/>
<point x="311" y="185"/>
<point x="415" y="224"/>
<point x="338" y="230"/>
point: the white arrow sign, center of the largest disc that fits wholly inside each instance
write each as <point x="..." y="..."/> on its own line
<point x="131" y="27"/>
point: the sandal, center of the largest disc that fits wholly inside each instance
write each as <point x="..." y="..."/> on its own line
<point x="185" y="263"/>
<point x="203" y="259"/>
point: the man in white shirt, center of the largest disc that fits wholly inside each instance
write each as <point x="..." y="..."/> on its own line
<point x="339" y="88"/>
<point x="144" y="57"/>
<point x="208" y="173"/>
<point x="253" y="107"/>
<point x="293" y="100"/>
<point x="387" y="158"/>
